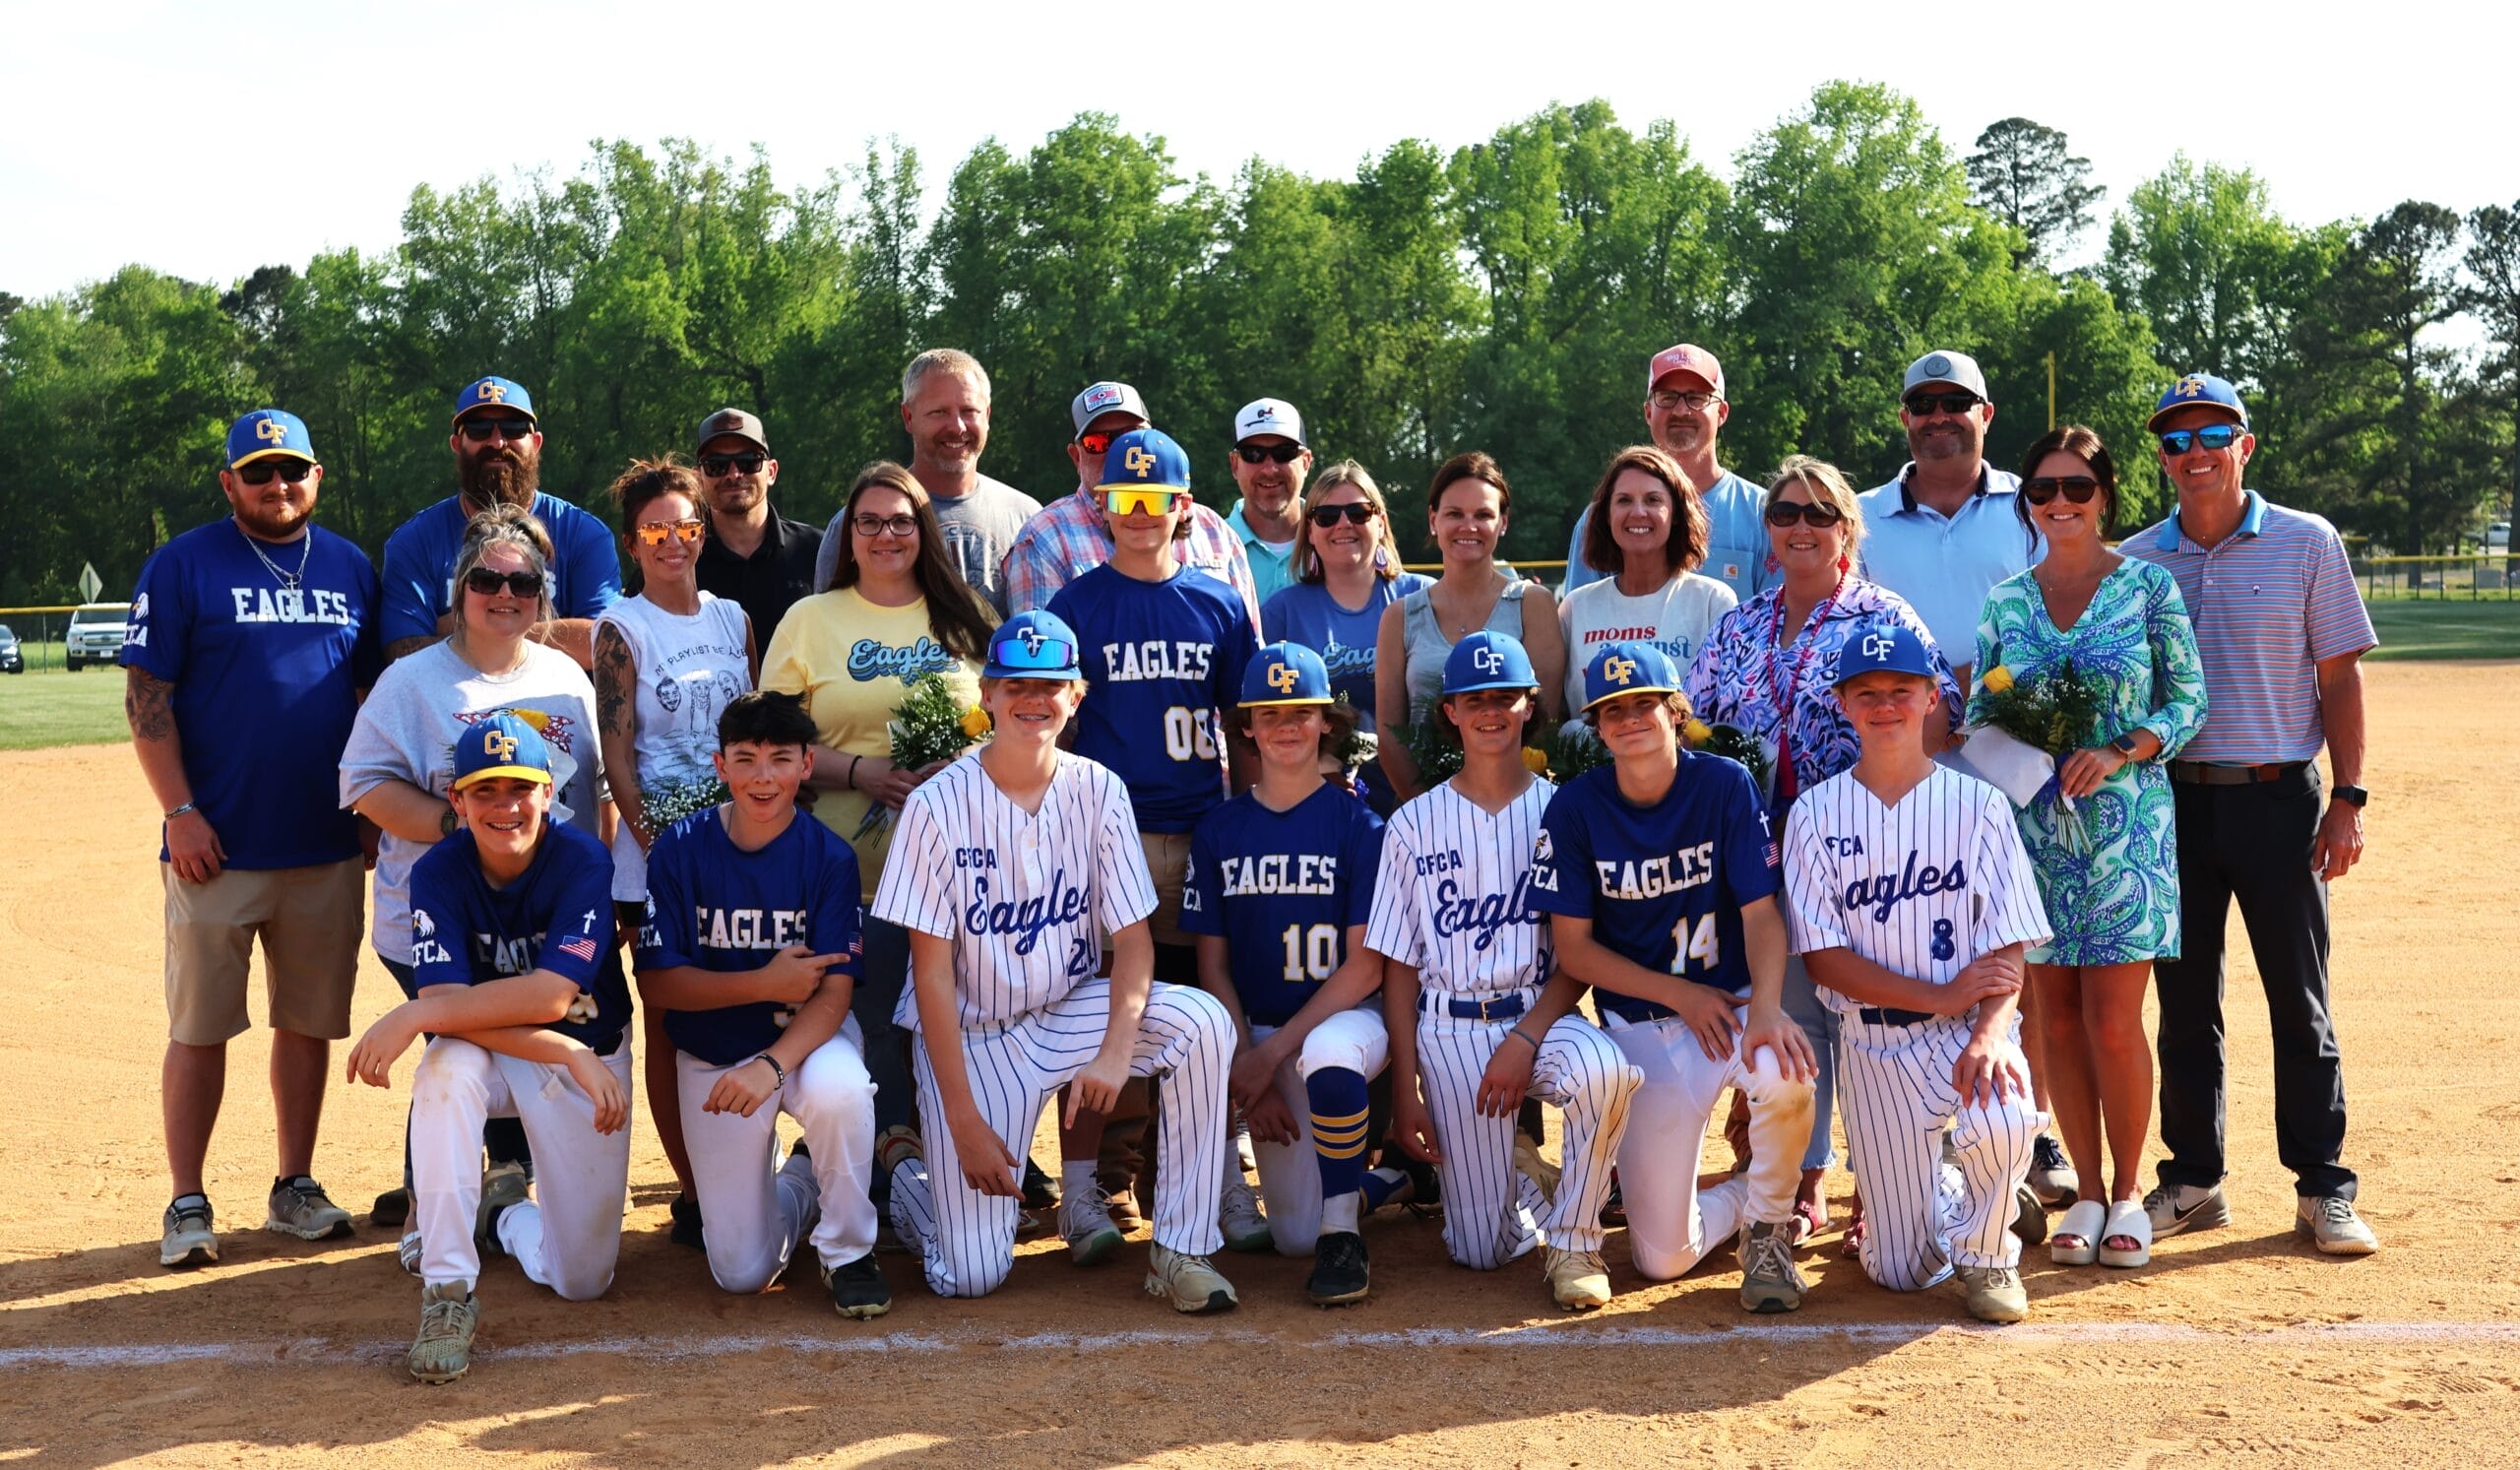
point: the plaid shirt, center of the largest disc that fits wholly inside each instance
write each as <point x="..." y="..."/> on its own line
<point x="1068" y="540"/>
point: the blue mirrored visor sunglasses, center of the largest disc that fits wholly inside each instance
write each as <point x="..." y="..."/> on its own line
<point x="1049" y="655"/>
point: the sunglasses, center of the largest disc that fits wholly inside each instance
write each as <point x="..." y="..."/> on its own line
<point x="1257" y="454"/>
<point x="1783" y="513"/>
<point x="654" y="534"/>
<point x="2212" y="437"/>
<point x="1355" y="513"/>
<point x="1926" y="405"/>
<point x="1049" y="655"/>
<point x="719" y="465"/>
<point x="1666" y="400"/>
<point x="488" y="582"/>
<point x="1155" y="502"/>
<point x="482" y="430"/>
<point x="262" y="471"/>
<point x="2078" y="489"/>
<point x="1096" y="443"/>
<point x="872" y="526"/>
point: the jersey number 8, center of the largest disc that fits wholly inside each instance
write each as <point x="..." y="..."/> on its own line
<point x="1699" y="944"/>
<point x="1311" y="953"/>
<point x="1190" y="735"/>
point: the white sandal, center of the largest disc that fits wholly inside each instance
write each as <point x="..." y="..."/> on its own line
<point x="2127" y="1218"/>
<point x="2081" y="1226"/>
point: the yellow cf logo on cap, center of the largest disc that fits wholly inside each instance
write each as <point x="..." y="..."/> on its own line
<point x="1618" y="671"/>
<point x="1139" y="459"/>
<point x="490" y="393"/>
<point x="1282" y="677"/>
<point x="498" y="743"/>
<point x="2190" y="387"/>
<point x="271" y="430"/>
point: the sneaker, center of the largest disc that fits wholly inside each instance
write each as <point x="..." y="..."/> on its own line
<point x="1340" y="1274"/>
<point x="1041" y="1191"/>
<point x="1994" y="1293"/>
<point x="443" y="1352"/>
<point x="857" y="1289"/>
<point x="191" y="1239"/>
<point x="1191" y="1283"/>
<point x="391" y="1209"/>
<point x="2186" y="1207"/>
<point x="1245" y="1228"/>
<point x="1538" y="1170"/>
<point x="299" y="1207"/>
<point x="1769" y="1280"/>
<point x="504" y="1186"/>
<point x="408" y="1253"/>
<point x="2052" y="1175"/>
<point x="1085" y="1220"/>
<point x="2029" y="1216"/>
<point x="1121" y="1204"/>
<point x="1578" y="1279"/>
<point x="2331" y="1221"/>
<point x="686" y="1229"/>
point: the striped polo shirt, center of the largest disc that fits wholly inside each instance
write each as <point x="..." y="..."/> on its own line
<point x="2269" y="603"/>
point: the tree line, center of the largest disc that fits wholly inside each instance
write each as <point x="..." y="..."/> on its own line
<point x="1504" y="296"/>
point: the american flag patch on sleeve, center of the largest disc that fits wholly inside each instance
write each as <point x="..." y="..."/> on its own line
<point x="583" y="946"/>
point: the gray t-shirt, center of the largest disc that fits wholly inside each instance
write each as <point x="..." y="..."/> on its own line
<point x="978" y="528"/>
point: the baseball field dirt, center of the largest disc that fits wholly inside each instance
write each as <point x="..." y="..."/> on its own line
<point x="2237" y="1344"/>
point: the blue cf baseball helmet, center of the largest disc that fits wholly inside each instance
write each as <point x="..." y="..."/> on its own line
<point x="1887" y="649"/>
<point x="1033" y="645"/>
<point x="1489" y="661"/>
<point x="1628" y="668"/>
<point x="1286" y="673"/>
<point x="1145" y="459"/>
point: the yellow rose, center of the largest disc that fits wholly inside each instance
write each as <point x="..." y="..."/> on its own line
<point x="976" y="722"/>
<point x="1995" y="681"/>
<point x="1697" y="732"/>
<point x="1535" y="760"/>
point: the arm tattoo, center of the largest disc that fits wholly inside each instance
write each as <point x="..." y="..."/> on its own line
<point x="148" y="702"/>
<point x="615" y="679"/>
<point x="404" y="647"/>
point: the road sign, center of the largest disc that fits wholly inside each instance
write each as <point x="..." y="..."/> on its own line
<point x="91" y="585"/>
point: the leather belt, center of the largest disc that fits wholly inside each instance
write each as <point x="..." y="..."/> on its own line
<point x="1475" y="1008"/>
<point x="1890" y="1016"/>
<point x="2200" y="773"/>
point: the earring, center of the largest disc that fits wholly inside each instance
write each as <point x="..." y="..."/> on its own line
<point x="1845" y="563"/>
<point x="1773" y="563"/>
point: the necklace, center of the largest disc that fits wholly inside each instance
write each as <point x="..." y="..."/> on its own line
<point x="287" y="580"/>
<point x="1465" y="627"/>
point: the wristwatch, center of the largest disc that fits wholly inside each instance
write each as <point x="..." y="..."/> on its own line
<point x="2126" y="744"/>
<point x="2354" y="793"/>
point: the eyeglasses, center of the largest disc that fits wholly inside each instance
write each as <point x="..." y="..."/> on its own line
<point x="488" y="582"/>
<point x="1666" y="400"/>
<point x="1783" y="513"/>
<point x="261" y="471"/>
<point x="482" y="430"/>
<point x="719" y="465"/>
<point x="1095" y="443"/>
<point x="2212" y="437"/>
<point x="2079" y="489"/>
<point x="872" y="526"/>
<point x="1355" y="512"/>
<point x="1926" y="405"/>
<point x="654" y="534"/>
<point x="1155" y="502"/>
<point x="1253" y="454"/>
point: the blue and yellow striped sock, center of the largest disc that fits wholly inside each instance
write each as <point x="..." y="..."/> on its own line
<point x="1338" y="1099"/>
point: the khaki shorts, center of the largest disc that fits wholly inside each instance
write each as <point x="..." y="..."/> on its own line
<point x="1168" y="859"/>
<point x="310" y="920"/>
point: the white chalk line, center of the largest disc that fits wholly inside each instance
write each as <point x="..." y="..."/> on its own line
<point x="284" y="1353"/>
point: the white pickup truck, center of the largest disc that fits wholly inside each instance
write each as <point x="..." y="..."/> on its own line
<point x="96" y="635"/>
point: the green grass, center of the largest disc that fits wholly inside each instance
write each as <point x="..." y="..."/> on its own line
<point x="2455" y="629"/>
<point x="50" y="707"/>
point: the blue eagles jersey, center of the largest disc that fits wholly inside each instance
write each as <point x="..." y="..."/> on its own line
<point x="1282" y="888"/>
<point x="1663" y="885"/>
<point x="712" y="906"/>
<point x="1162" y="660"/>
<point x="556" y="916"/>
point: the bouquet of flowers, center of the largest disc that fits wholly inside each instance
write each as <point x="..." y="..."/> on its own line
<point x="1735" y="744"/>
<point x="928" y="725"/>
<point x="2054" y="714"/>
<point x="669" y="802"/>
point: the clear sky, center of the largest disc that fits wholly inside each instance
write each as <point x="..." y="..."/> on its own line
<point x="206" y="139"/>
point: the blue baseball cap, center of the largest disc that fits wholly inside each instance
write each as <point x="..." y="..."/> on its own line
<point x="494" y="392"/>
<point x="1628" y="668"/>
<point x="508" y="744"/>
<point x="1886" y="649"/>
<point x="1489" y="661"/>
<point x="266" y="432"/>
<point x="1286" y="673"/>
<point x="1033" y="645"/>
<point x="2199" y="388"/>
<point x="1145" y="458"/>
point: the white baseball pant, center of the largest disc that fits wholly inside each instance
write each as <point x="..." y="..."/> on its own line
<point x="1922" y="1215"/>
<point x="1672" y="1223"/>
<point x="1185" y="1042"/>
<point x="1493" y="1213"/>
<point x="1291" y="1173"/>
<point x="568" y="1234"/>
<point x="756" y="1211"/>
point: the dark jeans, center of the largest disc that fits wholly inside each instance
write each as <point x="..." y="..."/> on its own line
<point x="503" y="1138"/>
<point x="2251" y="843"/>
<point x="883" y="970"/>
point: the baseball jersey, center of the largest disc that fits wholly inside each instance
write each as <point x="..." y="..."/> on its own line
<point x="420" y="565"/>
<point x="1454" y="895"/>
<point x="1665" y="884"/>
<point x="1920" y="888"/>
<point x="244" y="653"/>
<point x="1026" y="896"/>
<point x="556" y="916"/>
<point x="1161" y="660"/>
<point x="712" y="906"/>
<point x="1283" y="888"/>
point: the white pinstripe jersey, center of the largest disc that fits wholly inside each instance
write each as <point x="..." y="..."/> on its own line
<point x="1454" y="895"/>
<point x="1025" y="896"/>
<point x="1920" y="888"/>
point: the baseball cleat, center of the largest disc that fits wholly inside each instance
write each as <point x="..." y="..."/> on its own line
<point x="408" y="1253"/>
<point x="2052" y="1175"/>
<point x="1541" y="1171"/>
<point x="1578" y="1279"/>
<point x="191" y="1239"/>
<point x="443" y="1352"/>
<point x="2029" y="1216"/>
<point x="391" y="1209"/>
<point x="1239" y="1215"/>
<point x="299" y="1207"/>
<point x="1994" y="1293"/>
<point x="502" y="1186"/>
<point x="2184" y="1208"/>
<point x="2330" y="1220"/>
<point x="1085" y="1221"/>
<point x="1770" y="1281"/>
<point x="857" y="1289"/>
<point x="1188" y="1281"/>
<point x="686" y="1229"/>
<point x="1340" y="1274"/>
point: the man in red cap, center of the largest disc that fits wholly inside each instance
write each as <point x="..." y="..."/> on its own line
<point x="1684" y="406"/>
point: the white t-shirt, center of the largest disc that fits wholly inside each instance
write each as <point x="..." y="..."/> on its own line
<point x="688" y="669"/>
<point x="1676" y="618"/>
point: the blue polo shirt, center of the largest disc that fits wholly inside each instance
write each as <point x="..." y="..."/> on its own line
<point x="1945" y="565"/>
<point x="2269" y="603"/>
<point x="420" y="565"/>
<point x="1737" y="545"/>
<point x="1273" y="566"/>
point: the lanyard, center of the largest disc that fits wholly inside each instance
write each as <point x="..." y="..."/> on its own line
<point x="1785" y="786"/>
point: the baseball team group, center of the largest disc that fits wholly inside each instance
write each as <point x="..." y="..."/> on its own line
<point x="1243" y="853"/>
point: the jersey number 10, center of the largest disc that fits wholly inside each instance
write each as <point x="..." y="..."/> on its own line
<point x="1311" y="953"/>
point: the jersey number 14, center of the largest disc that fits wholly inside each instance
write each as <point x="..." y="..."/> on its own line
<point x="1695" y="942"/>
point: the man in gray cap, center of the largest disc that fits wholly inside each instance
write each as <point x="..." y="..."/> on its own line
<point x="758" y="559"/>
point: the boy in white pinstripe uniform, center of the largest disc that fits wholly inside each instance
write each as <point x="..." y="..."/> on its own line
<point x="1008" y="867"/>
<point x="1478" y="1014"/>
<point x="1911" y="902"/>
